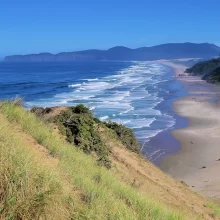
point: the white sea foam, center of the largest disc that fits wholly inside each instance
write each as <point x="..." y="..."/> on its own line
<point x="128" y="96"/>
<point x="122" y="121"/>
<point x="145" y="135"/>
<point x="71" y="97"/>
<point x="74" y="85"/>
<point x="103" y="118"/>
<point x="170" y="120"/>
<point x="92" y="108"/>
<point x="155" y="154"/>
<point x="141" y="123"/>
<point x="92" y="79"/>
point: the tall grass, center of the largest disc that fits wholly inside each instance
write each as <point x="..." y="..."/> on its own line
<point x="28" y="190"/>
<point x="105" y="197"/>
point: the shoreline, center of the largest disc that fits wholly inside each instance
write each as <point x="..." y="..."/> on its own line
<point x="197" y="164"/>
<point x="175" y="90"/>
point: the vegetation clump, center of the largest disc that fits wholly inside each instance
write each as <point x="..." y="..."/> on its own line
<point x="204" y="67"/>
<point x="213" y="76"/>
<point x="209" y="70"/>
<point x="126" y="135"/>
<point x="39" y="111"/>
<point x="81" y="130"/>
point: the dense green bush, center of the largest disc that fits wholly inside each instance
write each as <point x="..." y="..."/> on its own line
<point x="80" y="109"/>
<point x="126" y="135"/>
<point x="80" y="128"/>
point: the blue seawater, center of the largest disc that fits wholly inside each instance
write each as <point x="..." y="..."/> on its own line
<point x="136" y="94"/>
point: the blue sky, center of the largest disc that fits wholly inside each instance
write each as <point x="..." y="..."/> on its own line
<point x="66" y="25"/>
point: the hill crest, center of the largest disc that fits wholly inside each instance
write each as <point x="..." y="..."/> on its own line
<point x="121" y="53"/>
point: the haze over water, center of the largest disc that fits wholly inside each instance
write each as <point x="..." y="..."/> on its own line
<point x="136" y="94"/>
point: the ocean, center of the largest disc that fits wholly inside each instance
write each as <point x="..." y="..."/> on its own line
<point x="136" y="94"/>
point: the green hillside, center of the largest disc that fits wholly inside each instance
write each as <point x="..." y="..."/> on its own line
<point x="43" y="176"/>
<point x="209" y="70"/>
<point x="213" y="76"/>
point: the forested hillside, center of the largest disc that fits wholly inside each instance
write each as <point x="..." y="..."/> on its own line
<point x="209" y="70"/>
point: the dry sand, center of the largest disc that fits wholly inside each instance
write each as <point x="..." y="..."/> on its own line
<point x="198" y="162"/>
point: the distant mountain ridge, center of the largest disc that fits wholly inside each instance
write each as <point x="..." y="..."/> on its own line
<point x="120" y="53"/>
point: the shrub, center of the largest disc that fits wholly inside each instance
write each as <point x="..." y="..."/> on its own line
<point x="126" y="135"/>
<point x="80" y="129"/>
<point x="80" y="109"/>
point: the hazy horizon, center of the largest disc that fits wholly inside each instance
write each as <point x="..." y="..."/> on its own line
<point x="2" y="58"/>
<point x="28" y="27"/>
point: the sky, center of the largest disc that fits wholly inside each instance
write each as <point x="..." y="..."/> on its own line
<point x="67" y="25"/>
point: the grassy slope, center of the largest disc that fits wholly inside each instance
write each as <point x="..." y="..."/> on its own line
<point x="31" y="186"/>
<point x="150" y="180"/>
<point x="41" y="171"/>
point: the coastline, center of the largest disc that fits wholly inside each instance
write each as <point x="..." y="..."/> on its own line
<point x="197" y="163"/>
<point x="173" y="91"/>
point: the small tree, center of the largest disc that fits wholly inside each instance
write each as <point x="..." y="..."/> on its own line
<point x="81" y="109"/>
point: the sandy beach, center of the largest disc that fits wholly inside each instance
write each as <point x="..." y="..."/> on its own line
<point x="197" y="164"/>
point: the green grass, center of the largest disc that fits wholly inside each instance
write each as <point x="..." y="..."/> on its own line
<point x="104" y="195"/>
<point x="28" y="190"/>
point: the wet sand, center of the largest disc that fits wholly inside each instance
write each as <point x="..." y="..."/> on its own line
<point x="198" y="162"/>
